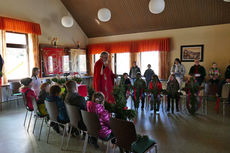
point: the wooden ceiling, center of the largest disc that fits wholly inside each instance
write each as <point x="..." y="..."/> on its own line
<point x="131" y="16"/>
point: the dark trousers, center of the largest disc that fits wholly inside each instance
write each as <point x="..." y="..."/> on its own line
<point x="220" y="87"/>
<point x="142" y="99"/>
<point x="155" y="102"/>
<point x="170" y="98"/>
<point x="200" y="80"/>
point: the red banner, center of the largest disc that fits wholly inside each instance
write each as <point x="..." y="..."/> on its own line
<point x="53" y="60"/>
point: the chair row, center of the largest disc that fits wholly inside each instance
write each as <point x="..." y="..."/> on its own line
<point x="123" y="131"/>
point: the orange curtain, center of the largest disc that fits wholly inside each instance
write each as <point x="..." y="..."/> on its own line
<point x="3" y="53"/>
<point x="14" y="25"/>
<point x="34" y="51"/>
<point x="131" y="46"/>
<point x="163" y="65"/>
<point x="89" y="59"/>
<point x="134" y="57"/>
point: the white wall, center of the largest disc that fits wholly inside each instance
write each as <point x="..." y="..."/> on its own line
<point x="216" y="40"/>
<point x="48" y="14"/>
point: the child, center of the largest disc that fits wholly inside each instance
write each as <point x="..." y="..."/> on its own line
<point x="155" y="88"/>
<point x="126" y="82"/>
<point x="28" y="92"/>
<point x="139" y="90"/>
<point x="44" y="93"/>
<point x="214" y="74"/>
<point x="97" y="106"/>
<point x="55" y="90"/>
<point x="172" y="92"/>
<point x="73" y="98"/>
<point x="36" y="80"/>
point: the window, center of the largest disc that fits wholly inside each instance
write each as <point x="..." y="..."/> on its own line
<point x="50" y="64"/>
<point x="122" y="63"/>
<point x="82" y="66"/>
<point x="96" y="57"/>
<point x="152" y="58"/>
<point x="65" y="60"/>
<point x="17" y="63"/>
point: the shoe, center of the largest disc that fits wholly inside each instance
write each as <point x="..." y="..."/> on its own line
<point x="83" y="136"/>
<point x="96" y="145"/>
<point x="114" y="141"/>
<point x="93" y="141"/>
<point x="56" y="128"/>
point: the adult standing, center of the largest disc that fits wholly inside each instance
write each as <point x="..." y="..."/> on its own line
<point x="198" y="71"/>
<point x="148" y="74"/>
<point x="178" y="70"/>
<point x="133" y="72"/>
<point x="103" y="79"/>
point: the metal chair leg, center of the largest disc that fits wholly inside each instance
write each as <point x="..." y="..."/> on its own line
<point x="63" y="136"/>
<point x="41" y="129"/>
<point x="85" y="143"/>
<point x="155" y="148"/>
<point x="48" y="135"/>
<point x="108" y="145"/>
<point x="35" y="122"/>
<point x="25" y="117"/>
<point x="114" y="148"/>
<point x="223" y="108"/>
<point x="69" y="137"/>
<point x="29" y="121"/>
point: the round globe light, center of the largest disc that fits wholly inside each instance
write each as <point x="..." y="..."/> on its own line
<point x="67" y="21"/>
<point x="156" y="6"/>
<point x="104" y="14"/>
<point x="227" y="0"/>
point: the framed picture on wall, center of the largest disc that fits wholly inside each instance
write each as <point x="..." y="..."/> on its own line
<point x="191" y="52"/>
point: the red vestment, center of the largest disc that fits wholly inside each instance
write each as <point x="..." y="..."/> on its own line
<point x="103" y="80"/>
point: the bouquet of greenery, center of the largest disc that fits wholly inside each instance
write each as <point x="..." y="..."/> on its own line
<point x="77" y="77"/>
<point x="120" y="109"/>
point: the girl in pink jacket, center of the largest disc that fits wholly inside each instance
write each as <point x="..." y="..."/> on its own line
<point x="97" y="106"/>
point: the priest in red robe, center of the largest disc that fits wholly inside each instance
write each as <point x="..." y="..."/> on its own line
<point x="103" y="79"/>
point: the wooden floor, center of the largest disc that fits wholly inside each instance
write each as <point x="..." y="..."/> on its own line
<point x="175" y="133"/>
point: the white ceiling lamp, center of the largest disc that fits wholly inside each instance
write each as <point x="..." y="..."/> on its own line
<point x="156" y="6"/>
<point x="227" y="0"/>
<point x="104" y="14"/>
<point x="67" y="21"/>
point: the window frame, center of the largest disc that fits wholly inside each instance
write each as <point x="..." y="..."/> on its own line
<point x="143" y="71"/>
<point x="114" y="66"/>
<point x="20" y="46"/>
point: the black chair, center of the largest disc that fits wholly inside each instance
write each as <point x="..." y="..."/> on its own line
<point x="93" y="126"/>
<point x="126" y="136"/>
